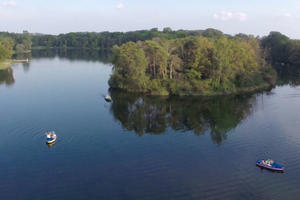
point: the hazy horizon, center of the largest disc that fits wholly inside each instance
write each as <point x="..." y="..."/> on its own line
<point x="159" y="29"/>
<point x="231" y="17"/>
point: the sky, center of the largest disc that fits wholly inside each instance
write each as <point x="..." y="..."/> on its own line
<point x="257" y="17"/>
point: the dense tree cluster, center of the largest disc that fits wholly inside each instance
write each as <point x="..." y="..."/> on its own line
<point x="282" y="52"/>
<point x="106" y="40"/>
<point x="101" y="40"/>
<point x="191" y="65"/>
<point x="21" y="42"/>
<point x="6" y="48"/>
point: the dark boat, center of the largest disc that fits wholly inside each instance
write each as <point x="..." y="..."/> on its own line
<point x="270" y="165"/>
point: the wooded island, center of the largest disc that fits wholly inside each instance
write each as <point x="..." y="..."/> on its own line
<point x="182" y="62"/>
<point x="191" y="66"/>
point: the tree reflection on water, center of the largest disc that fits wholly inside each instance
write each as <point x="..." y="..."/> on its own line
<point x="7" y="76"/>
<point x="154" y="115"/>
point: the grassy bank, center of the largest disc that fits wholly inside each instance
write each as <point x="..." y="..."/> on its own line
<point x="5" y="64"/>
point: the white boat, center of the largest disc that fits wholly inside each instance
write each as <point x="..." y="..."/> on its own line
<point x="108" y="98"/>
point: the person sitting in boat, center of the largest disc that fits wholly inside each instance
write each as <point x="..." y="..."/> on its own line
<point x="50" y="134"/>
<point x="269" y="162"/>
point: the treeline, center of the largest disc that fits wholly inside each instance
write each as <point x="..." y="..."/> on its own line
<point x="22" y="42"/>
<point x="279" y="49"/>
<point x="11" y="43"/>
<point x="6" y="48"/>
<point x="102" y="40"/>
<point x="191" y="66"/>
<point x="282" y="52"/>
<point x="179" y="61"/>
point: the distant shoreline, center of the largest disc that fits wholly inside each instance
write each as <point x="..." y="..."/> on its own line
<point x="71" y="48"/>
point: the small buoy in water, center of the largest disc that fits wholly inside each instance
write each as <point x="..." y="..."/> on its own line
<point x="107" y="98"/>
<point x="50" y="137"/>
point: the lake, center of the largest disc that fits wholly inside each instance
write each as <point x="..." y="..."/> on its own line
<point x="139" y="147"/>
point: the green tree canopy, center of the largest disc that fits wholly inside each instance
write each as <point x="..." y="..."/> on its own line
<point x="192" y="65"/>
<point x="129" y="67"/>
<point x="6" y="48"/>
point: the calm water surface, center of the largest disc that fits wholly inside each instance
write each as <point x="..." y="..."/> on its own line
<point x="139" y="147"/>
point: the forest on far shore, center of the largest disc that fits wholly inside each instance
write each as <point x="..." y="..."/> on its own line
<point x="176" y="62"/>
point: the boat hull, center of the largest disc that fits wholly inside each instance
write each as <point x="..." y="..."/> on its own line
<point x="271" y="168"/>
<point x="51" y="141"/>
<point x="108" y="99"/>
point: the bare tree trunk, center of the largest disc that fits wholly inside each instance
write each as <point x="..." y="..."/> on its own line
<point x="171" y="69"/>
<point x="154" y="68"/>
